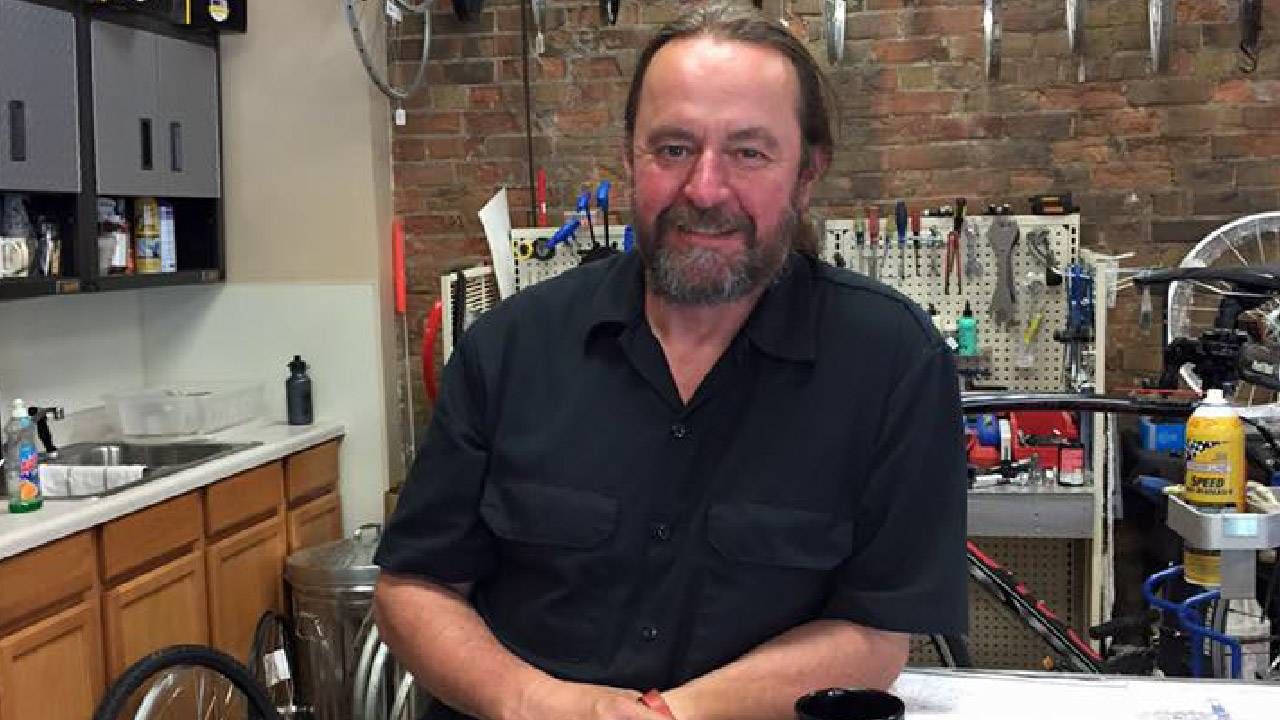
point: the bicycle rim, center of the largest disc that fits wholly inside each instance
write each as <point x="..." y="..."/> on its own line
<point x="376" y="33"/>
<point x="185" y="682"/>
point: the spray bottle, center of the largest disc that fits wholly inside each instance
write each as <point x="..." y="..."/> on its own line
<point x="1216" y="476"/>
<point x="967" y="331"/>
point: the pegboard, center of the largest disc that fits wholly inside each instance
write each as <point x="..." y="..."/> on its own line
<point x="1054" y="570"/>
<point x="481" y="295"/>
<point x="567" y="255"/>
<point x="1004" y="343"/>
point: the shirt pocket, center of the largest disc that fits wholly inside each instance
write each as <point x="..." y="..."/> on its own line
<point x="548" y="597"/>
<point x="776" y="536"/>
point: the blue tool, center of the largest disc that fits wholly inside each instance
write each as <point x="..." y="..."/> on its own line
<point x="564" y="234"/>
<point x="584" y="209"/>
<point x="628" y="238"/>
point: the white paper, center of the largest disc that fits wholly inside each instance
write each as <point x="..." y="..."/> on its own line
<point x="495" y="217"/>
<point x="275" y="667"/>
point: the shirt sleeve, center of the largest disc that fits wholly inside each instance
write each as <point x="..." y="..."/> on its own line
<point x="908" y="570"/>
<point x="435" y="530"/>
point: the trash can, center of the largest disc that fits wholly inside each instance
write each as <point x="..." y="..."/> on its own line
<point x="331" y="586"/>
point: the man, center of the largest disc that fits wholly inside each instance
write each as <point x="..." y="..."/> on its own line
<point x="714" y="467"/>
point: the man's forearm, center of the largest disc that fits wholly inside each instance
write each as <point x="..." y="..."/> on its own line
<point x="434" y="631"/>
<point x="765" y="683"/>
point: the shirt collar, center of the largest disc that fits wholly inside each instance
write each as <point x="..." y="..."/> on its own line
<point x="783" y="323"/>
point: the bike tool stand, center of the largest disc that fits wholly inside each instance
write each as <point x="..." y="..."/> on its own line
<point x="1238" y="537"/>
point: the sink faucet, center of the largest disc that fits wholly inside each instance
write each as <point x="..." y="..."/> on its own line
<point x="40" y="416"/>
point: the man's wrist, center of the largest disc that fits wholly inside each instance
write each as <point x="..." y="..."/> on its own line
<point x="656" y="702"/>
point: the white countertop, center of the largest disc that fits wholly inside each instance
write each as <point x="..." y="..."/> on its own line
<point x="59" y="518"/>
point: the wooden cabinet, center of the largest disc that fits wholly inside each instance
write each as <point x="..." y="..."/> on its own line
<point x="318" y="521"/>
<point x="245" y="572"/>
<point x="311" y="473"/>
<point x="161" y="607"/>
<point x="52" y="668"/>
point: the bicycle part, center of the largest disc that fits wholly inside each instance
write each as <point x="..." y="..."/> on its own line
<point x="1219" y="618"/>
<point x="991" y="38"/>
<point x="1250" y="33"/>
<point x="167" y="668"/>
<point x="377" y="27"/>
<point x="1075" y="26"/>
<point x="609" y="11"/>
<point x="953" y="650"/>
<point x="977" y="403"/>
<point x="1190" y="619"/>
<point x="836" y="14"/>
<point x="368" y="640"/>
<point x="467" y="10"/>
<point x="1160" y="31"/>
<point x="272" y="659"/>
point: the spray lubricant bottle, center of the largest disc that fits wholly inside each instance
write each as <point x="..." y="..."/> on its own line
<point x="1216" y="475"/>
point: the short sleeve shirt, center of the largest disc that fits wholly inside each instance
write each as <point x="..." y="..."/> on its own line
<point x="618" y="535"/>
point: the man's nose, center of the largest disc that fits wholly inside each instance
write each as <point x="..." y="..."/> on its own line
<point x="708" y="182"/>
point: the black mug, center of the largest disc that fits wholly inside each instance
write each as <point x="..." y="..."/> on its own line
<point x="849" y="704"/>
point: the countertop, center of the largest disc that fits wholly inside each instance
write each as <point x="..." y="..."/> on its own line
<point x="59" y="518"/>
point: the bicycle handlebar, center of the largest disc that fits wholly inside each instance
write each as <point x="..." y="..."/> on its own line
<point x="973" y="403"/>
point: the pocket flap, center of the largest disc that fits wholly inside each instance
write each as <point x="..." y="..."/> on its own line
<point x="548" y="514"/>
<point x="785" y="537"/>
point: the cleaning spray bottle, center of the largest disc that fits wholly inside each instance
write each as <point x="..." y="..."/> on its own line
<point x="967" y="331"/>
<point x="1216" y="476"/>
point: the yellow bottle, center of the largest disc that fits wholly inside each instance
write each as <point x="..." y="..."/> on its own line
<point x="1216" y="475"/>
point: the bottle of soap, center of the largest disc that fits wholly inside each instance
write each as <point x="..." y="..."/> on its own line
<point x="967" y="331"/>
<point x="21" y="462"/>
<point x="297" y="392"/>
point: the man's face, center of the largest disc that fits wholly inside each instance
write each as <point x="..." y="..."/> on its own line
<point x="716" y="166"/>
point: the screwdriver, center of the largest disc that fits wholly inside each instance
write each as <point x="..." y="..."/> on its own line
<point x="602" y="202"/>
<point x="915" y="237"/>
<point x="860" y="237"/>
<point x="873" y="227"/>
<point x="900" y="219"/>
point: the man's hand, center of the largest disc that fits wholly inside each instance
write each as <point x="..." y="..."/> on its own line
<point x="552" y="699"/>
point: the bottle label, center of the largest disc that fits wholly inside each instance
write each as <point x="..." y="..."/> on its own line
<point x="28" y="489"/>
<point x="1215" y="463"/>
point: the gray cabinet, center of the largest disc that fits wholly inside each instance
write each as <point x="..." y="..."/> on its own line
<point x="155" y="104"/>
<point x="39" y="112"/>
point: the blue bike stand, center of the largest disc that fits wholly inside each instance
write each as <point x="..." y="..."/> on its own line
<point x="1189" y="619"/>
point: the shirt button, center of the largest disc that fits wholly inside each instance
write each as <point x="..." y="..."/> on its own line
<point x="661" y="531"/>
<point x="679" y="431"/>
<point x="649" y="633"/>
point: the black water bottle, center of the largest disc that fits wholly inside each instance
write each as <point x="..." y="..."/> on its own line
<point x="297" y="392"/>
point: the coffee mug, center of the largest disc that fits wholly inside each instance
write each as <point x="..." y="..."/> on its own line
<point x="849" y="704"/>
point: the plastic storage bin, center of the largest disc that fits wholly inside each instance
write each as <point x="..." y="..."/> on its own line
<point x="185" y="411"/>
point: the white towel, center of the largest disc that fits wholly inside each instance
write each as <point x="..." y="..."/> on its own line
<point x="85" y="480"/>
<point x="121" y="475"/>
<point x="53" y="480"/>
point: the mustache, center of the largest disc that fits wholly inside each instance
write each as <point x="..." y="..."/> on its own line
<point x="709" y="221"/>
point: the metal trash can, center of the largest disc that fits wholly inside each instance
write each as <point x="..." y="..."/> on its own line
<point x="332" y="591"/>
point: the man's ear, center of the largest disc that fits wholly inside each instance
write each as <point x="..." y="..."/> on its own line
<point x="627" y="148"/>
<point x="818" y="162"/>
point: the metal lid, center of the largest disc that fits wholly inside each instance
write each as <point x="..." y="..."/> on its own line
<point x="341" y="563"/>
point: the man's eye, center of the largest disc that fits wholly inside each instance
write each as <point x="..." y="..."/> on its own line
<point x="750" y="154"/>
<point x="673" y="152"/>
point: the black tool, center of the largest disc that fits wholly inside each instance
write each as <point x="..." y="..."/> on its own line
<point x="467" y="10"/>
<point x="1250" y="33"/>
<point x="609" y="11"/>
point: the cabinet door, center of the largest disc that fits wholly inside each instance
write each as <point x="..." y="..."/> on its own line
<point x="162" y="607"/>
<point x="39" y="118"/>
<point x="315" y="522"/>
<point x="130" y="152"/>
<point x="52" y="669"/>
<point x="189" y="114"/>
<point x="245" y="572"/>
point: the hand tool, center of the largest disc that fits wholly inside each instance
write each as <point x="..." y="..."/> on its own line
<point x="1075" y="26"/>
<point x="873" y="231"/>
<point x="933" y="243"/>
<point x="836" y="13"/>
<point x="900" y="220"/>
<point x="564" y="234"/>
<point x="602" y="202"/>
<point x="1250" y="33"/>
<point x="1003" y="238"/>
<point x="953" y="251"/>
<point x="1039" y="245"/>
<point x="972" y="265"/>
<point x="1032" y="299"/>
<point x="584" y="211"/>
<point x="991" y="38"/>
<point x="609" y="11"/>
<point x="1160" y="29"/>
<point x="915" y="238"/>
<point x="860" y="238"/>
<point x="538" y="9"/>
<point x="599" y="250"/>
<point x="541" y="197"/>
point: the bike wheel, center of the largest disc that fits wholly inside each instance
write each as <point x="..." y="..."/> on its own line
<point x="1259" y="665"/>
<point x="1194" y="306"/>
<point x="383" y="30"/>
<point x="272" y="660"/>
<point x="953" y="650"/>
<point x="186" y="681"/>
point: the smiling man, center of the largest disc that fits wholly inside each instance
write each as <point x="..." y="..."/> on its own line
<point x="715" y="467"/>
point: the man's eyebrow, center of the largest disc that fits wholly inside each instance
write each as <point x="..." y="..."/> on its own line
<point x="754" y="133"/>
<point x="663" y="133"/>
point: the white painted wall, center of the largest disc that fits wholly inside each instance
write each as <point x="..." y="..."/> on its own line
<point x="249" y="331"/>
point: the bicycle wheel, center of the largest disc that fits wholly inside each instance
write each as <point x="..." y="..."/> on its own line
<point x="188" y="681"/>
<point x="382" y="30"/>
<point x="272" y="660"/>
<point x="1227" y="617"/>
<point x="953" y="650"/>
<point x="1195" y="306"/>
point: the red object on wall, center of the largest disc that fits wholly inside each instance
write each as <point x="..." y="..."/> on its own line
<point x="397" y="262"/>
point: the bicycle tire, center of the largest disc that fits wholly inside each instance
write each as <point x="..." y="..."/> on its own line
<point x="136" y="675"/>
<point x="953" y="650"/>
<point x="268" y="621"/>
<point x="364" y="37"/>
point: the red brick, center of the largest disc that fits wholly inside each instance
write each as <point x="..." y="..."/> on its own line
<point x="1131" y="176"/>
<point x="491" y="123"/>
<point x="446" y="148"/>
<point x="433" y="123"/>
<point x="1236" y="202"/>
<point x="418" y="174"/>
<point x="1263" y="118"/>
<point x="1024" y="182"/>
<point x="594" y="68"/>
<point x="582" y="120"/>
<point x="926" y="157"/>
<point x="1257" y="172"/>
<point x="502" y="172"/>
<point x="433" y="223"/>
<point x="551" y="68"/>
<point x="1122" y="122"/>
<point x="1044" y="126"/>
<point x="1169" y="91"/>
<point x="408" y="149"/>
<point x="908" y="51"/>
<point x="1246" y="146"/>
<point x="914" y="103"/>
<point x="943" y="20"/>
<point x="486" y="97"/>
<point x="1082" y="97"/>
<point x="1205" y="175"/>
<point x="472" y="72"/>
<point x="1197" y="11"/>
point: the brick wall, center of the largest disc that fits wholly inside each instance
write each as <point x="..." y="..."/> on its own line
<point x="1154" y="161"/>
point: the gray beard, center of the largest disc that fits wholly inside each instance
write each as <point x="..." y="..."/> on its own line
<point x="704" y="277"/>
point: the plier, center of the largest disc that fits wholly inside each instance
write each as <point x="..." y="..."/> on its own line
<point x="953" y="251"/>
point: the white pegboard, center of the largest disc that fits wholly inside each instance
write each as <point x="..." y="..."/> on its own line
<point x="481" y="295"/>
<point x="568" y="255"/>
<point x="1004" y="343"/>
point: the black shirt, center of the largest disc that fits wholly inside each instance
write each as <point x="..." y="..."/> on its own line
<point x="616" y="535"/>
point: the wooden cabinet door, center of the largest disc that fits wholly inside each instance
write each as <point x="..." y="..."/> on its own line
<point x="164" y="606"/>
<point x="52" y="669"/>
<point x="245" y="572"/>
<point x="316" y="522"/>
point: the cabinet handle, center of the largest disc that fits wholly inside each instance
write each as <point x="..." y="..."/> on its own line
<point x="144" y="125"/>
<point x="17" y="131"/>
<point x="175" y="146"/>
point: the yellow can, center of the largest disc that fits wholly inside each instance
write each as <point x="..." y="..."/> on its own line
<point x="1216" y="475"/>
<point x="1202" y="567"/>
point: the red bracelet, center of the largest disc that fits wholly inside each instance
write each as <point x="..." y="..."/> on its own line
<point x="654" y="701"/>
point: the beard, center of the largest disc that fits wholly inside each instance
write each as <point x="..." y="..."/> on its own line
<point x="701" y="275"/>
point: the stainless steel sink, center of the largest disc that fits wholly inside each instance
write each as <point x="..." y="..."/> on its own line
<point x="157" y="459"/>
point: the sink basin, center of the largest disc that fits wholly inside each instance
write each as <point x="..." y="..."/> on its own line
<point x="157" y="460"/>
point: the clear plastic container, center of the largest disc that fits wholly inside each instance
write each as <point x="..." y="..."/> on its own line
<point x="185" y="410"/>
